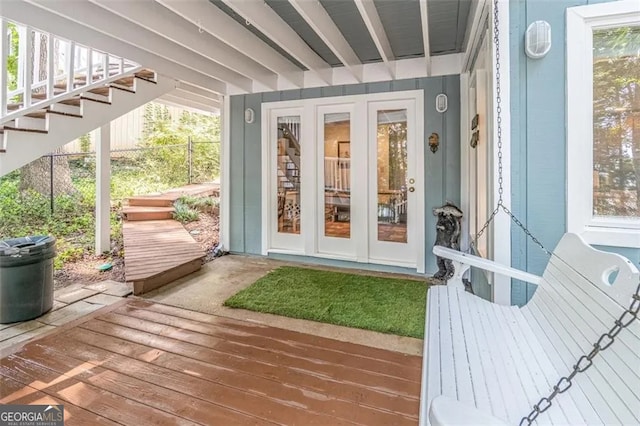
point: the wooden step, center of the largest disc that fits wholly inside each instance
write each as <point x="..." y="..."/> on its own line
<point x="147" y="75"/>
<point x="138" y="213"/>
<point x="150" y="201"/>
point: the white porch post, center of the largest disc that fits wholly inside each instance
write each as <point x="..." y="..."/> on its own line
<point x="103" y="189"/>
<point x="502" y="223"/>
<point x="225" y="173"/>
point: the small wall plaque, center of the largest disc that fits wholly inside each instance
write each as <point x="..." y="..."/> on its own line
<point x="475" y="137"/>
<point x="474" y="122"/>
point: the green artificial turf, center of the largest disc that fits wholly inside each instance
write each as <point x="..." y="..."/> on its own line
<point x="387" y="305"/>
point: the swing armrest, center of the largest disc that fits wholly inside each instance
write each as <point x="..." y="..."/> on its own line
<point x="485" y="264"/>
<point x="446" y="411"/>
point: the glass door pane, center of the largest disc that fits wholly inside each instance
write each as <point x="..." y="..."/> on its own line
<point x="288" y="175"/>
<point x="337" y="175"/>
<point x="392" y="175"/>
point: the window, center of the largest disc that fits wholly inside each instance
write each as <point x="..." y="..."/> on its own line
<point x="603" y="134"/>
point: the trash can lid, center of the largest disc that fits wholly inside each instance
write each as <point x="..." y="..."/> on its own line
<point x="25" y="245"/>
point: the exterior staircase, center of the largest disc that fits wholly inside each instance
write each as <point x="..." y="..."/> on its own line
<point x="64" y="94"/>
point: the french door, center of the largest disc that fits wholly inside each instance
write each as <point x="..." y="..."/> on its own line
<point x="345" y="179"/>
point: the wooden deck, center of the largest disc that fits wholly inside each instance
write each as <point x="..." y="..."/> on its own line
<point x="139" y="363"/>
<point x="158" y="252"/>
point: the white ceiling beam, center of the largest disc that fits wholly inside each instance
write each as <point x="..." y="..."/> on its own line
<point x="220" y="25"/>
<point x="99" y="19"/>
<point x="163" y="22"/>
<point x="475" y="31"/>
<point x="318" y="19"/>
<point x="198" y="91"/>
<point x="261" y="16"/>
<point x="424" y="17"/>
<point x="373" y="23"/>
<point x="44" y="20"/>
<point x="189" y="105"/>
<point x="194" y="97"/>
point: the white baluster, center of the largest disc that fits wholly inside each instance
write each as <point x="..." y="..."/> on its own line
<point x="50" y="65"/>
<point x="4" y="52"/>
<point x="28" y="67"/>
<point x="71" y="65"/>
<point x="105" y="66"/>
<point x="89" y="67"/>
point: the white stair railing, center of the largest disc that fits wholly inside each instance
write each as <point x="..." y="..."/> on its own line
<point x="31" y="79"/>
<point x="337" y="174"/>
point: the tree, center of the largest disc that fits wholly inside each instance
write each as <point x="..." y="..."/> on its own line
<point x="616" y="121"/>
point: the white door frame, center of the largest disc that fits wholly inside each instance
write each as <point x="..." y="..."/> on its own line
<point x="309" y="183"/>
<point x="500" y="239"/>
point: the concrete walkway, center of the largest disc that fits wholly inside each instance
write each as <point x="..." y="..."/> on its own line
<point x="206" y="290"/>
<point x="70" y="303"/>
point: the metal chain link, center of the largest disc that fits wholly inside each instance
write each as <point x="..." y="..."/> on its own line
<point x="586" y="361"/>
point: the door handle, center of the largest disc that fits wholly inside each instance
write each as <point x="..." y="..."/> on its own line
<point x="411" y="189"/>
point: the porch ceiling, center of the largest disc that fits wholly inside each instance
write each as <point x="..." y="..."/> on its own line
<point x="219" y="47"/>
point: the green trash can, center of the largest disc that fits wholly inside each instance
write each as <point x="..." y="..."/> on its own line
<point x="26" y="277"/>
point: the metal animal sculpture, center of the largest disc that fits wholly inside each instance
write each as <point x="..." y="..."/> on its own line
<point x="447" y="235"/>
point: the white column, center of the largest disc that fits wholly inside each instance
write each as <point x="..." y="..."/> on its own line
<point x="103" y="189"/>
<point x="502" y="222"/>
<point x="225" y="173"/>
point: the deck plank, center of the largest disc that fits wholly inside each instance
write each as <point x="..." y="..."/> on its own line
<point x="167" y="368"/>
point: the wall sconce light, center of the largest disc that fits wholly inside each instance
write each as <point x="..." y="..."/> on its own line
<point x="441" y="102"/>
<point x="537" y="39"/>
<point x="249" y="116"/>
<point x="434" y="142"/>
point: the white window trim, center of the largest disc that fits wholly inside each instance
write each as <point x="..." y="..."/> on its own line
<point x="581" y="21"/>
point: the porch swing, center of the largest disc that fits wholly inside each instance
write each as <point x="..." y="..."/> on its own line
<point x="571" y="355"/>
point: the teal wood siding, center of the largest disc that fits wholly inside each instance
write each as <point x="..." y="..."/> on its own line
<point x="538" y="139"/>
<point x="442" y="169"/>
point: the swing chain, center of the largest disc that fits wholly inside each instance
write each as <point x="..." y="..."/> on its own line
<point x="586" y="361"/>
<point x="496" y="41"/>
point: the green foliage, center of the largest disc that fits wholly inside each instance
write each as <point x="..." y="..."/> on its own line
<point x="387" y="305"/>
<point x="169" y="161"/>
<point x="85" y="142"/>
<point x="203" y="204"/>
<point x="12" y="58"/>
<point x="184" y="213"/>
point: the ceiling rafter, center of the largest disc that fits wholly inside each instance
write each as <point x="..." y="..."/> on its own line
<point x="198" y="91"/>
<point x="112" y="25"/>
<point x="188" y="104"/>
<point x="424" y="18"/>
<point x="319" y="20"/>
<point x="30" y="14"/>
<point x="193" y="97"/>
<point x="156" y="18"/>
<point x="217" y="23"/>
<point x="273" y="26"/>
<point x="373" y="23"/>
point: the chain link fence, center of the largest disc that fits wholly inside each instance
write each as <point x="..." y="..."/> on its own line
<point x="55" y="194"/>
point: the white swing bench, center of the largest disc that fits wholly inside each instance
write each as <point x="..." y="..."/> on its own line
<point x="490" y="364"/>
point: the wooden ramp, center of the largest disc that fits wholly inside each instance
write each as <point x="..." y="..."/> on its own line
<point x="140" y="363"/>
<point x="157" y="252"/>
<point x="157" y="249"/>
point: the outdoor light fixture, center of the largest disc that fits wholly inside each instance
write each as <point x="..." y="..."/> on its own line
<point x="441" y="102"/>
<point x="249" y="116"/>
<point x="537" y="39"/>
